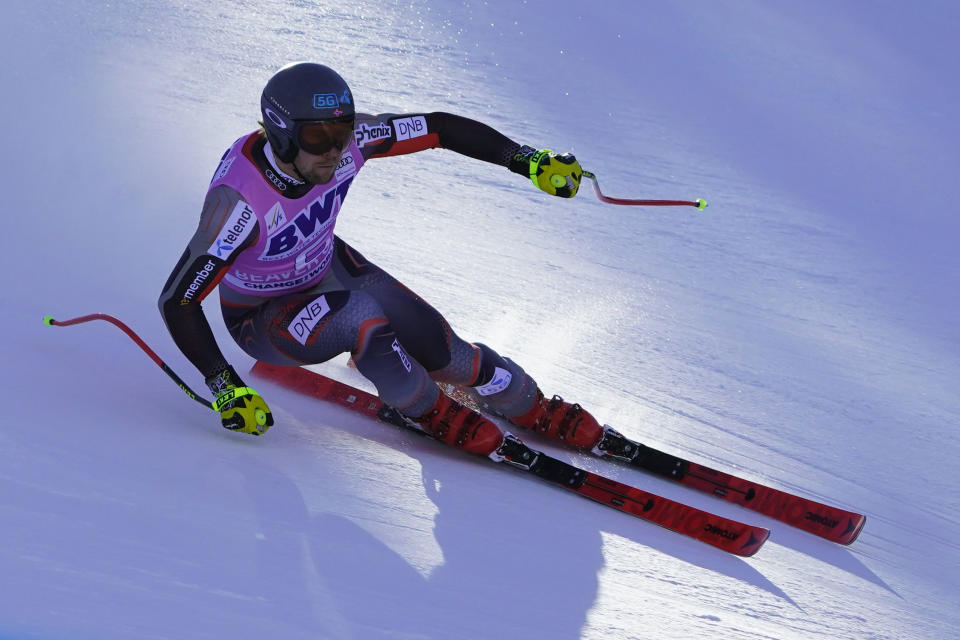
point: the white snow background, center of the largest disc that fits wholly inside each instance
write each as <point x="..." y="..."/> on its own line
<point x="801" y="331"/>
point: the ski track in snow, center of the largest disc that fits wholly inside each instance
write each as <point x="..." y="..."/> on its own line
<point x="800" y="331"/>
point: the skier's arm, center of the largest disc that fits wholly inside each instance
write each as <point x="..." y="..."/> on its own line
<point x="388" y="134"/>
<point x="211" y="250"/>
<point x="227" y="226"/>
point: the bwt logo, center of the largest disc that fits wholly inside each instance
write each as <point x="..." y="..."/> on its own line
<point x="307" y="222"/>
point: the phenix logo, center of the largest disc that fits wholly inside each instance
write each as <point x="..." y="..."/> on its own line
<point x="366" y="134"/>
<point x="724" y="533"/>
<point x="824" y="520"/>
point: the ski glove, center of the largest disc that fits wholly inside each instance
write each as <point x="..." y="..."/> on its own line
<point x="241" y="408"/>
<point x="558" y="175"/>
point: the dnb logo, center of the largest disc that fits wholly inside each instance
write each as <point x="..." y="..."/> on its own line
<point x="407" y="128"/>
<point x="307" y="224"/>
<point x="306" y="320"/>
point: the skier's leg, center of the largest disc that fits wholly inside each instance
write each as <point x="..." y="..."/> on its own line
<point x="502" y="386"/>
<point x="308" y="328"/>
<point x="313" y="327"/>
<point x="420" y="327"/>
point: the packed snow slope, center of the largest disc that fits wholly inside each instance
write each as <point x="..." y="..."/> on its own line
<point x="801" y="331"/>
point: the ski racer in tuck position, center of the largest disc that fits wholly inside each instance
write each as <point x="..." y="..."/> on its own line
<point x="293" y="293"/>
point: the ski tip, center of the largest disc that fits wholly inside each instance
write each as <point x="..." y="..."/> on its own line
<point x="852" y="532"/>
<point x="758" y="536"/>
<point x="701" y="204"/>
<point x="48" y="321"/>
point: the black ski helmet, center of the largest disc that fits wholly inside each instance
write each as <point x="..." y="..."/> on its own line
<point x="302" y="92"/>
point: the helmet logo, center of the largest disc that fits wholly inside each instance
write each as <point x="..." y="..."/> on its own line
<point x="325" y="101"/>
<point x="275" y="119"/>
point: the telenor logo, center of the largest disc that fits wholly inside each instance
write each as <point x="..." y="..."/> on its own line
<point x="234" y="232"/>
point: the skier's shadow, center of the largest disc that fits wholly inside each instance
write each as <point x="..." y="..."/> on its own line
<point x="510" y="569"/>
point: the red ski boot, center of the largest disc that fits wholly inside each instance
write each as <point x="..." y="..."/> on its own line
<point x="460" y="427"/>
<point x="563" y="421"/>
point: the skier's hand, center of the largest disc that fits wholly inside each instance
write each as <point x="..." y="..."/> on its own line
<point x="557" y="174"/>
<point x="241" y="408"/>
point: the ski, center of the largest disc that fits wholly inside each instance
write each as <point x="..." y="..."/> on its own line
<point x="832" y="523"/>
<point x="729" y="535"/>
<point x="829" y="522"/>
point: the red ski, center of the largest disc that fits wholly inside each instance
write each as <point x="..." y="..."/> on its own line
<point x="834" y="524"/>
<point x="729" y="535"/>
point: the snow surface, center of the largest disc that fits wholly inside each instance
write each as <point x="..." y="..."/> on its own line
<point x="802" y="331"/>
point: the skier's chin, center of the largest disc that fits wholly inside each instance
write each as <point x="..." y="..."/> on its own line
<point x="319" y="171"/>
<point x="320" y="174"/>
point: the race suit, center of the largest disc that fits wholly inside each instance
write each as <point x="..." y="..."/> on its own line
<point x="293" y="293"/>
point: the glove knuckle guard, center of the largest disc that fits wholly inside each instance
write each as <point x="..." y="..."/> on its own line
<point x="239" y="406"/>
<point x="560" y="178"/>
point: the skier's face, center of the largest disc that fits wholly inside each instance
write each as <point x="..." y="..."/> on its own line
<point x="318" y="169"/>
<point x="321" y="143"/>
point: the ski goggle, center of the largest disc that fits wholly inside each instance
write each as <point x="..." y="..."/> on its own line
<point x="319" y="137"/>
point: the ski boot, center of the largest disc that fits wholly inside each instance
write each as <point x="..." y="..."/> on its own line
<point x="568" y="423"/>
<point x="461" y="427"/>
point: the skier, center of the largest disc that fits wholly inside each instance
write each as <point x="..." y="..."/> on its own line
<point x="293" y="293"/>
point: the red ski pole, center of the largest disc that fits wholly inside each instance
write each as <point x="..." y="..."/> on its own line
<point x="699" y="203"/>
<point x="50" y="322"/>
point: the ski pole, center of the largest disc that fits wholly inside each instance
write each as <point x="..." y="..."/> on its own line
<point x="698" y="203"/>
<point x="50" y="322"/>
